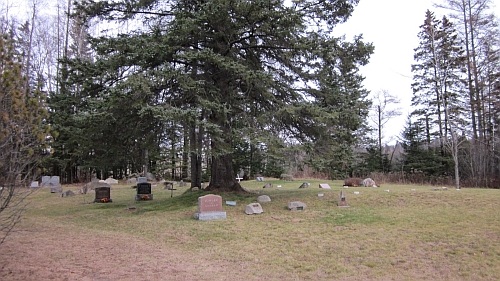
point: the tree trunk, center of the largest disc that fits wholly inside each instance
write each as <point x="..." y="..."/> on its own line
<point x="222" y="177"/>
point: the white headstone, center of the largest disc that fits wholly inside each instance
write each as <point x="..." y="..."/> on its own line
<point x="34" y="184"/>
<point x="324" y="186"/>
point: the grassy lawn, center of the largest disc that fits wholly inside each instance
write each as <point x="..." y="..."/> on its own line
<point x="408" y="233"/>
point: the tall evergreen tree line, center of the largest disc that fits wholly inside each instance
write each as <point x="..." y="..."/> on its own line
<point x="452" y="132"/>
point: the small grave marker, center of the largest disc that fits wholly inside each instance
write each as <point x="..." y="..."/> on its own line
<point x="254" y="208"/>
<point x="324" y="186"/>
<point x="210" y="208"/>
<point x="142" y="179"/>
<point x="343" y="200"/>
<point x="231" y="203"/>
<point x="296" y="206"/>
<point x="34" y="184"/>
<point x="305" y="185"/>
<point x="263" y="198"/>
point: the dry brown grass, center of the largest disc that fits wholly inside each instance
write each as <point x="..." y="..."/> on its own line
<point x="408" y="233"/>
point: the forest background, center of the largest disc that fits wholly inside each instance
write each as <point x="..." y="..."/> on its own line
<point x="206" y="92"/>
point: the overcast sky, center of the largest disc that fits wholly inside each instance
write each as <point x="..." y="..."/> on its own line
<point x="392" y="26"/>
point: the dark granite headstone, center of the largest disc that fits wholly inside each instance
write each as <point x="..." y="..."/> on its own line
<point x="143" y="191"/>
<point x="103" y="194"/>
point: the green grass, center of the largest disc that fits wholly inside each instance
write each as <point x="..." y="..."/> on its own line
<point x="408" y="233"/>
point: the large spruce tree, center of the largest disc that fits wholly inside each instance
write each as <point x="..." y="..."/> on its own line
<point x="222" y="65"/>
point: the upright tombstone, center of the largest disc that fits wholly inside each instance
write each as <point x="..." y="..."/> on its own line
<point x="103" y="194"/>
<point x="254" y="208"/>
<point x="143" y="191"/>
<point x="53" y="184"/>
<point x="45" y="180"/>
<point x="142" y="179"/>
<point x="343" y="200"/>
<point x="132" y="180"/>
<point x="210" y="208"/>
<point x="34" y="184"/>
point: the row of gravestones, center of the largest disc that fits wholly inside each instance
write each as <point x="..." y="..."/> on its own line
<point x="210" y="206"/>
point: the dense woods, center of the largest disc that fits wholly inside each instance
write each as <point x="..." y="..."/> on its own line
<point x="208" y="90"/>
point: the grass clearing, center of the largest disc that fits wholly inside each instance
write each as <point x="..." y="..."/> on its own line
<point x="408" y="233"/>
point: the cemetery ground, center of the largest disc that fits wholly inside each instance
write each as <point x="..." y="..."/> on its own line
<point x="408" y="233"/>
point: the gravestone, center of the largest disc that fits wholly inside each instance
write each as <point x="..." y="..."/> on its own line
<point x="53" y="184"/>
<point x="34" y="184"/>
<point x="67" y="193"/>
<point x="111" y="181"/>
<point x="210" y="208"/>
<point x="231" y="203"/>
<point x="45" y="180"/>
<point x="254" y="208"/>
<point x="263" y="198"/>
<point x="142" y="179"/>
<point x="305" y="185"/>
<point x="259" y="178"/>
<point x="132" y="181"/>
<point x="268" y="185"/>
<point x="296" y="206"/>
<point x="102" y="194"/>
<point x="143" y="191"/>
<point x="324" y="186"/>
<point x="182" y="183"/>
<point x="343" y="200"/>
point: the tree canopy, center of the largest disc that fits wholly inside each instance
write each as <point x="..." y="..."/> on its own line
<point x="230" y="67"/>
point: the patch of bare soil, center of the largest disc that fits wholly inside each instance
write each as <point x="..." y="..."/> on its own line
<point x="47" y="254"/>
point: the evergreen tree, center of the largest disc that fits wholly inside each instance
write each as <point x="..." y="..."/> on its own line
<point x="218" y="62"/>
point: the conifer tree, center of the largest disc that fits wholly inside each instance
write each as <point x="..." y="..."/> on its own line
<point x="217" y="63"/>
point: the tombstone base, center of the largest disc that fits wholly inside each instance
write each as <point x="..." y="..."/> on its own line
<point x="103" y="200"/>
<point x="343" y="203"/>
<point x="143" y="197"/>
<point x="210" y="216"/>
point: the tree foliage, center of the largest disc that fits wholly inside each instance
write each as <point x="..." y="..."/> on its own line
<point x="229" y="67"/>
<point x="22" y="134"/>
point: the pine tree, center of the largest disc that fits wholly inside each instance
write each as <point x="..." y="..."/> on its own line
<point x="219" y="62"/>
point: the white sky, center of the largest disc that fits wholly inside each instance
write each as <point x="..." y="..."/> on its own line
<point x="392" y="26"/>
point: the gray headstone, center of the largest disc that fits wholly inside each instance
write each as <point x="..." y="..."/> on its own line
<point x="305" y="185"/>
<point x="132" y="180"/>
<point x="67" y="193"/>
<point x="34" y="184"/>
<point x="111" y="181"/>
<point x="182" y="183"/>
<point x="343" y="200"/>
<point x="231" y="203"/>
<point x="254" y="208"/>
<point x="296" y="206"/>
<point x="45" y="179"/>
<point x="268" y="185"/>
<point x="263" y="198"/>
<point x="142" y="179"/>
